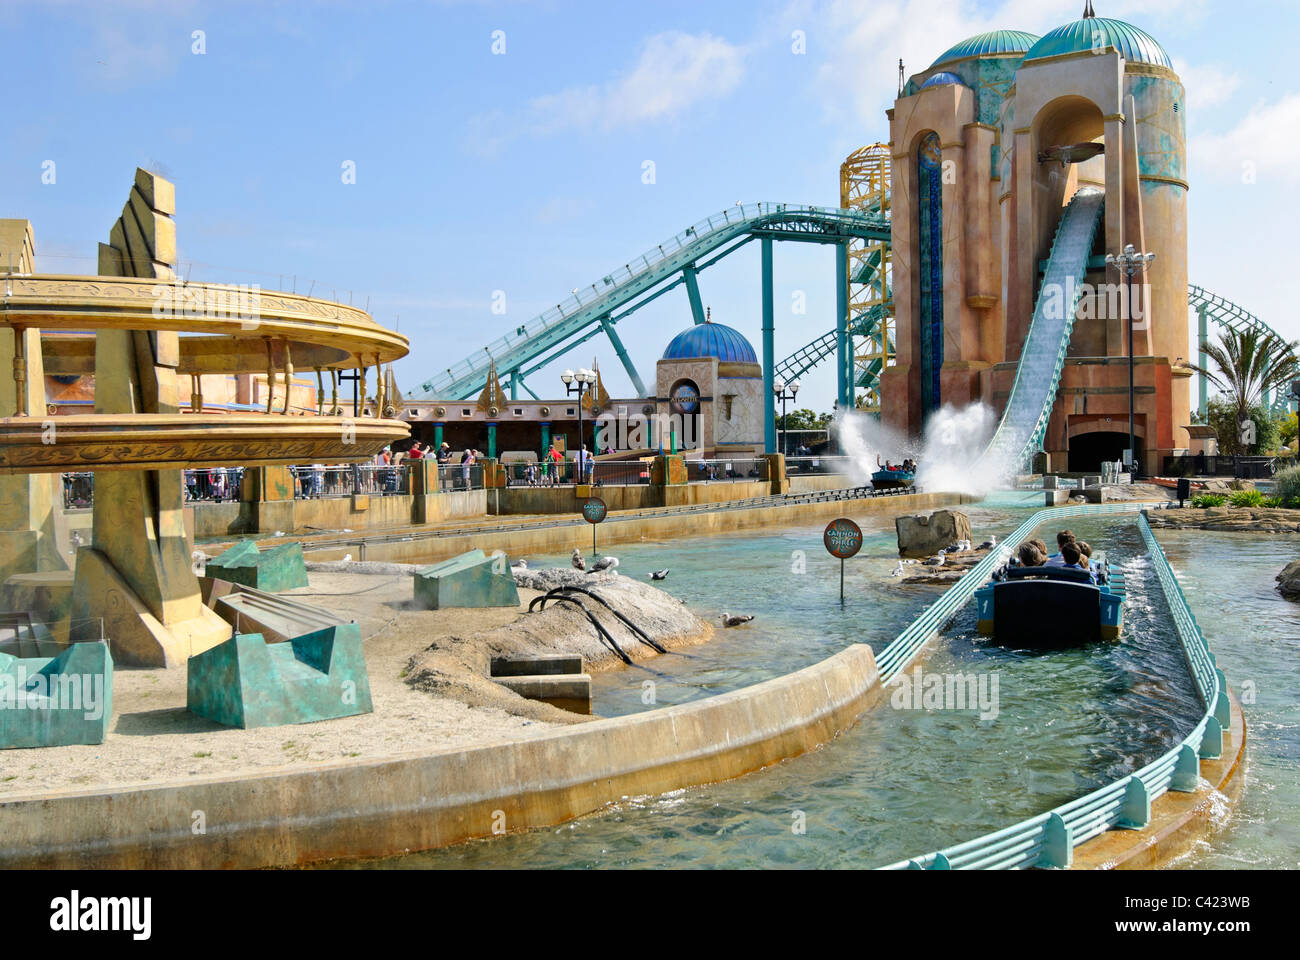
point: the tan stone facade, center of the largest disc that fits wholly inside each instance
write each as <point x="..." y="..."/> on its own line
<point x="1001" y="205"/>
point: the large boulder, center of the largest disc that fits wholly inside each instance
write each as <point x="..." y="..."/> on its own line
<point x="1288" y="581"/>
<point x="921" y="536"/>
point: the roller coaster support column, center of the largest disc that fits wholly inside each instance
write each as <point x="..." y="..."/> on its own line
<point x="769" y="352"/>
<point x="1201" y="337"/>
<point x="610" y="332"/>
<point x="843" y="344"/>
<point x="693" y="293"/>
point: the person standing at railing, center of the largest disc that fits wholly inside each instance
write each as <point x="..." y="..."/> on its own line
<point x="443" y="456"/>
<point x="466" y="463"/>
<point x="553" y="461"/>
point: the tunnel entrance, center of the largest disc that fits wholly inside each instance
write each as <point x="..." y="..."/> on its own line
<point x="1089" y="450"/>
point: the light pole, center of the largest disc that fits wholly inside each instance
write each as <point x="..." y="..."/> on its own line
<point x="578" y="383"/>
<point x="1130" y="262"/>
<point x="783" y="394"/>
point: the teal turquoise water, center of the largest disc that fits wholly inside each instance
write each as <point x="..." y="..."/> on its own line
<point x="1255" y="636"/>
<point x="906" y="781"/>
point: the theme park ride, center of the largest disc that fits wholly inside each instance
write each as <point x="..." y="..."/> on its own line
<point x="134" y="581"/>
<point x="1015" y="164"/>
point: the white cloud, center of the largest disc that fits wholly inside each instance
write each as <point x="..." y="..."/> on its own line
<point x="1207" y="85"/>
<point x="1264" y="143"/>
<point x="674" y="72"/>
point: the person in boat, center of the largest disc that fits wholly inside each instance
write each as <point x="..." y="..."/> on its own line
<point x="1086" y="561"/>
<point x="1042" y="547"/>
<point x="1057" y="559"/>
<point x="1070" y="556"/>
<point x="1029" y="555"/>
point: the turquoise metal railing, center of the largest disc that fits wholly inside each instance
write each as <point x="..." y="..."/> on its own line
<point x="895" y="657"/>
<point x="587" y="304"/>
<point x="1049" y="839"/>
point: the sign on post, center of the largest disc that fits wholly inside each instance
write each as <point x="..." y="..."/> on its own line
<point x="593" y="511"/>
<point x="843" y="539"/>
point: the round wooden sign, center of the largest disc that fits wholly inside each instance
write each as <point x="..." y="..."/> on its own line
<point x="843" y="538"/>
<point x="594" y="510"/>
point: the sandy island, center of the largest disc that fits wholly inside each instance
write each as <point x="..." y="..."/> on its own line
<point x="428" y="680"/>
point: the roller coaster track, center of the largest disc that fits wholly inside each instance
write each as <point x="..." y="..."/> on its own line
<point x="594" y="309"/>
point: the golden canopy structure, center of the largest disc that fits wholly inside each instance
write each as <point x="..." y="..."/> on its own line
<point x="124" y="326"/>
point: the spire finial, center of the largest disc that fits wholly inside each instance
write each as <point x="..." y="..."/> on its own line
<point x="708" y="314"/>
<point x="1087" y="10"/>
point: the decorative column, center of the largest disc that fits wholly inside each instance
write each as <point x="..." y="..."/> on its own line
<point x="769" y="351"/>
<point x="843" y="345"/>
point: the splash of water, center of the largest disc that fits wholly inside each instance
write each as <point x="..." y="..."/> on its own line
<point x="867" y="443"/>
<point x="953" y="456"/>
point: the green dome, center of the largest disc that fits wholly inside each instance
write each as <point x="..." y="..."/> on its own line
<point x="988" y="44"/>
<point x="1134" y="45"/>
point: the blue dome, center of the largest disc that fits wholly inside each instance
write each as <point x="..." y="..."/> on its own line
<point x="711" y="340"/>
<point x="989" y="44"/>
<point x="943" y="78"/>
<point x="1134" y="45"/>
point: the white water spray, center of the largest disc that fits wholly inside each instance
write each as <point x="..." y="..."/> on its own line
<point x="950" y="458"/>
<point x="867" y="443"/>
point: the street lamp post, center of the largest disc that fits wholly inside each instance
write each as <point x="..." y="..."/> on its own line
<point x="1130" y="262"/>
<point x="578" y="383"/>
<point x="783" y="394"/>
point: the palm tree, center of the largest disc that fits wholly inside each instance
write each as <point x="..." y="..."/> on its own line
<point x="1250" y="363"/>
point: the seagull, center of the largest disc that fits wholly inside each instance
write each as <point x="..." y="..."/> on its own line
<point x="659" y="574"/>
<point x="519" y="565"/>
<point x="898" y="570"/>
<point x="937" y="560"/>
<point x="279" y="533"/>
<point x="730" y="620"/>
<point x="347" y="558"/>
<point x="604" y="563"/>
<point x="578" y="562"/>
<point x="989" y="544"/>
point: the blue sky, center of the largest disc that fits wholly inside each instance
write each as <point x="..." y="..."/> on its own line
<point x="522" y="172"/>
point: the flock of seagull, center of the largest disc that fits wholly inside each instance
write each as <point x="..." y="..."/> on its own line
<point x="610" y="565"/>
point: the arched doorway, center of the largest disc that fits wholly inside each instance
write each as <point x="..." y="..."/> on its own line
<point x="1089" y="450"/>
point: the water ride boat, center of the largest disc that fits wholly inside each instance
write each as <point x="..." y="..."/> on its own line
<point x="889" y="477"/>
<point x="1052" y="607"/>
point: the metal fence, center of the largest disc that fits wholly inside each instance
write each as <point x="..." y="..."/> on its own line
<point x="460" y="476"/>
<point x="747" y="470"/>
<point x="799" y="466"/>
<point x="78" y="490"/>
<point x="215" y="485"/>
<point x="626" y="472"/>
<point x="1241" y="468"/>
<point x="1049" y="839"/>
<point x="322" y="482"/>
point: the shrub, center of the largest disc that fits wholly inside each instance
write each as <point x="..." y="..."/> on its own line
<point x="1273" y="502"/>
<point x="1286" y="483"/>
<point x="1246" y="498"/>
<point x="1203" y="500"/>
